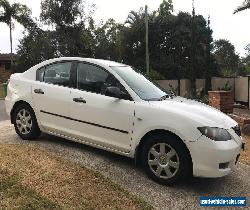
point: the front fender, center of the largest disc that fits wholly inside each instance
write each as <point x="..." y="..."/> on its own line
<point x="148" y="119"/>
<point x="185" y="134"/>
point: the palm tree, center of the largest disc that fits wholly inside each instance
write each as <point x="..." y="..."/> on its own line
<point x="18" y="12"/>
<point x="135" y="17"/>
<point x="244" y="6"/>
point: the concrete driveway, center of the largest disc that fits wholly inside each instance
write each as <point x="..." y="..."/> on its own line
<point x="3" y="115"/>
<point x="123" y="171"/>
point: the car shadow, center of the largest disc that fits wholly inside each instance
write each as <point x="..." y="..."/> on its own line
<point x="193" y="185"/>
<point x="83" y="147"/>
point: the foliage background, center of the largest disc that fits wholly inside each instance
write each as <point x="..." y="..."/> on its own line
<point x="180" y="45"/>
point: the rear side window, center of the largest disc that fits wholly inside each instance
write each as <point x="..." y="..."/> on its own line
<point x="57" y="74"/>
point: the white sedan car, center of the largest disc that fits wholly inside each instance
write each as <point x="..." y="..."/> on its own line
<point x="111" y="106"/>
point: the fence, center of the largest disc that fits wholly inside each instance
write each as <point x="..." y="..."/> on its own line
<point x="238" y="85"/>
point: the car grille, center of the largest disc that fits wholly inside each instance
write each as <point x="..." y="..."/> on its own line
<point x="237" y="130"/>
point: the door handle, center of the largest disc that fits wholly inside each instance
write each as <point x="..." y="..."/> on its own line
<point x="79" y="100"/>
<point x="38" y="91"/>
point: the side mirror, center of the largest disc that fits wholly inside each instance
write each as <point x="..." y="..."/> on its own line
<point x="114" y="92"/>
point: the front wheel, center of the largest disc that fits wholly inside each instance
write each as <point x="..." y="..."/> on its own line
<point x="165" y="159"/>
<point x="25" y="122"/>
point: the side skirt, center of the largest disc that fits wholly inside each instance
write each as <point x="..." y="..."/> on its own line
<point x="127" y="154"/>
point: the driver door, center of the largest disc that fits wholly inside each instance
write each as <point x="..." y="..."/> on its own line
<point x="96" y="118"/>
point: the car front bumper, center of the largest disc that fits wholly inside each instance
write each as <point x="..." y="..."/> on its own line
<point x="214" y="158"/>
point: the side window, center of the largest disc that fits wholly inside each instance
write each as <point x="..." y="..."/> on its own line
<point x="91" y="78"/>
<point x="57" y="74"/>
<point x="40" y="74"/>
<point x="95" y="79"/>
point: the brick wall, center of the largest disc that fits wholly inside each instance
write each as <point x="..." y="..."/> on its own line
<point x="4" y="75"/>
<point x="222" y="100"/>
<point x="242" y="120"/>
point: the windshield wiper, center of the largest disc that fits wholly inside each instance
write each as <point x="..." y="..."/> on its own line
<point x="164" y="97"/>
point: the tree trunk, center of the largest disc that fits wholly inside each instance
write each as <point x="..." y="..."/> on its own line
<point x="11" y="52"/>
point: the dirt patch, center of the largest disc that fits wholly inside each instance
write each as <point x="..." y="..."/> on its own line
<point x="63" y="183"/>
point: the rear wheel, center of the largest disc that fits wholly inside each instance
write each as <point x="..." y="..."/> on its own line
<point x="25" y="122"/>
<point x="165" y="159"/>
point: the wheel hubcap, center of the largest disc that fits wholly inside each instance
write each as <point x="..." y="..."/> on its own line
<point x="24" y="121"/>
<point x="163" y="160"/>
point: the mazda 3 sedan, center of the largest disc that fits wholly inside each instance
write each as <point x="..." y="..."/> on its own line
<point x="112" y="106"/>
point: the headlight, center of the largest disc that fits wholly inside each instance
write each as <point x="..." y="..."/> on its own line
<point x="216" y="134"/>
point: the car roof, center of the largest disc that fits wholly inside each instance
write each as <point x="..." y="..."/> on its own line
<point x="107" y="62"/>
<point x="101" y="62"/>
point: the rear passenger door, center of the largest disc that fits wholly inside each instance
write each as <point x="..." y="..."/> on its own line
<point x="51" y="96"/>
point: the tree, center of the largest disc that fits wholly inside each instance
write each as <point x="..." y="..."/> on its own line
<point x="68" y="20"/>
<point x="61" y="13"/>
<point x="247" y="48"/>
<point x="132" y="39"/>
<point x="169" y="42"/>
<point x="70" y="33"/>
<point x="247" y="64"/>
<point x="18" y="12"/>
<point x="73" y="32"/>
<point x="244" y="6"/>
<point x="226" y="57"/>
<point x="35" y="48"/>
<point x="108" y="41"/>
<point x="246" y="61"/>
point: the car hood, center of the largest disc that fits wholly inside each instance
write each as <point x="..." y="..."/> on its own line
<point x="203" y="114"/>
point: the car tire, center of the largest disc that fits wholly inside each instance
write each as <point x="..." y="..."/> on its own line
<point x="25" y="122"/>
<point x="165" y="159"/>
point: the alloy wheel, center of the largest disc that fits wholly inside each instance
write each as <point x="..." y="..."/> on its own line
<point x="163" y="160"/>
<point x="24" y="121"/>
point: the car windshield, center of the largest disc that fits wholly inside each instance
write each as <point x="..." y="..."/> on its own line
<point x="142" y="86"/>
